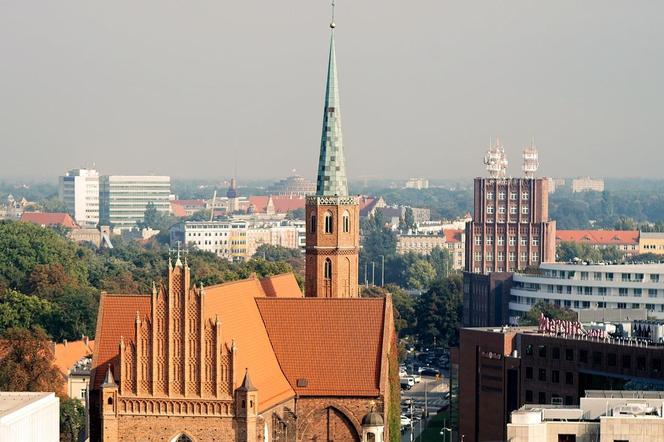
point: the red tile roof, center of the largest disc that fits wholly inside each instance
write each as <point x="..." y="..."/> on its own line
<point x="178" y="210"/>
<point x="236" y="308"/>
<point x="282" y="286"/>
<point x="116" y="317"/>
<point x="282" y="204"/>
<point x="453" y="235"/>
<point x="46" y="219"/>
<point x="599" y="237"/>
<point x="335" y="345"/>
<point x="68" y="354"/>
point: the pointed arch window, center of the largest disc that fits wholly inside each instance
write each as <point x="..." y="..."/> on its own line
<point x="328" y="222"/>
<point x="328" y="268"/>
<point x="182" y="438"/>
<point x="346" y="222"/>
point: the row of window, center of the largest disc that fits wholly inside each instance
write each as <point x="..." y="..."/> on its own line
<point x="555" y="398"/>
<point x="602" y="276"/>
<point x="329" y="223"/>
<point x="513" y="195"/>
<point x="501" y="241"/>
<point x="513" y="210"/>
<point x="500" y="256"/>
<point x="512" y="230"/>
<point x="596" y="358"/>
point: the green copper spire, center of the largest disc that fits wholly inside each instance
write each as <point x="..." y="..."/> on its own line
<point x="331" y="164"/>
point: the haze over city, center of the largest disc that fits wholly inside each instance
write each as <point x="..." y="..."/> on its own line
<point x="177" y="88"/>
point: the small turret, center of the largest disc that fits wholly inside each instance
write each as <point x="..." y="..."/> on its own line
<point x="246" y="409"/>
<point x="373" y="426"/>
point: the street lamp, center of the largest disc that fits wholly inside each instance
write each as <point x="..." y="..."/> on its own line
<point x="445" y="430"/>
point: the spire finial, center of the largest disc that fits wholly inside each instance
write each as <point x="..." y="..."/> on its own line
<point x="332" y="23"/>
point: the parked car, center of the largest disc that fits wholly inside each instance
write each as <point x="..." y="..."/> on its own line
<point x="428" y="371"/>
<point x="407" y="383"/>
<point x="416" y="377"/>
<point x="405" y="421"/>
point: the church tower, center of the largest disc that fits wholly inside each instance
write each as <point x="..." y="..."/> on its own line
<point x="333" y="225"/>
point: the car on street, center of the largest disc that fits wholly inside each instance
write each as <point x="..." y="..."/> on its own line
<point x="405" y="421"/>
<point x="416" y="377"/>
<point x="407" y="382"/>
<point x="429" y="371"/>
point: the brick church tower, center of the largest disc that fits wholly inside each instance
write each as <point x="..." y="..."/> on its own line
<point x="333" y="224"/>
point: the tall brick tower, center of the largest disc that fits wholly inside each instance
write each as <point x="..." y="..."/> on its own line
<point x="333" y="225"/>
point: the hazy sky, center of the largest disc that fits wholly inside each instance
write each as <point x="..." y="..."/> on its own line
<point x="176" y="87"/>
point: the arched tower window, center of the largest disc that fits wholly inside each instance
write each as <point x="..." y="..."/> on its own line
<point x="328" y="268"/>
<point x="182" y="438"/>
<point x="346" y="222"/>
<point x="312" y="225"/>
<point x="328" y="222"/>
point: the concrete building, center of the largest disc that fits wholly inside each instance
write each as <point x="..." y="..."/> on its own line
<point x="601" y="416"/>
<point x="587" y="184"/>
<point x="29" y="417"/>
<point x="123" y="199"/>
<point x="455" y="240"/>
<point x="589" y="287"/>
<point x="79" y="190"/>
<point x="627" y="241"/>
<point x="295" y="185"/>
<point x="226" y="239"/>
<point x="417" y="183"/>
<point x="502" y="369"/>
<point x="420" y="244"/>
<point x="510" y="230"/>
<point x="275" y="235"/>
<point x="651" y="242"/>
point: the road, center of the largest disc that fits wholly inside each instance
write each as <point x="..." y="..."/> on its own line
<point x="431" y="391"/>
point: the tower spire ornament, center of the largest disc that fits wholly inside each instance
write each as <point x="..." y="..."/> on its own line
<point x="333" y="240"/>
<point x="332" y="164"/>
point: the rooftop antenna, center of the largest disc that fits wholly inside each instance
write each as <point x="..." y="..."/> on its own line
<point x="530" y="159"/>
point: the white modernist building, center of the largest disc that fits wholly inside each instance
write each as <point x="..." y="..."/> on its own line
<point x="29" y="417"/>
<point x="123" y="199"/>
<point x="79" y="190"/>
<point x="580" y="287"/>
<point x="226" y="239"/>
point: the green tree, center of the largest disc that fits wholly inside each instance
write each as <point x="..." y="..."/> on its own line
<point x="151" y="217"/>
<point x="377" y="239"/>
<point x="550" y="311"/>
<point x="72" y="419"/>
<point x="441" y="261"/>
<point x="19" y="310"/>
<point x="409" y="219"/>
<point x="403" y="304"/>
<point x="439" y="312"/>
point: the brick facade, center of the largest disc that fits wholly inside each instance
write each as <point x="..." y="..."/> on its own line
<point x="332" y="246"/>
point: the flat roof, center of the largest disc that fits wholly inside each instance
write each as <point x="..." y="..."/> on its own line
<point x="626" y="268"/>
<point x="11" y="401"/>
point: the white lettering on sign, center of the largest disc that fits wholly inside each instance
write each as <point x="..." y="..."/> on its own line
<point x="566" y="328"/>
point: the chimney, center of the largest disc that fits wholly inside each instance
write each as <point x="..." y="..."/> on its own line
<point x="85" y="340"/>
<point x="64" y="341"/>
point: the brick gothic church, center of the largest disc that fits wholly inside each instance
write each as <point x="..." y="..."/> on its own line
<point x="255" y="360"/>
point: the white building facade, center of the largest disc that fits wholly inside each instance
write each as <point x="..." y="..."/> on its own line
<point x="79" y="190"/>
<point x="581" y="287"/>
<point x="123" y="199"/>
<point x="29" y="417"/>
<point x="226" y="239"/>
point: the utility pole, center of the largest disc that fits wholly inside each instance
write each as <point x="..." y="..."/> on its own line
<point x="373" y="273"/>
<point x="366" y="278"/>
<point x="382" y="271"/>
<point x="411" y="420"/>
